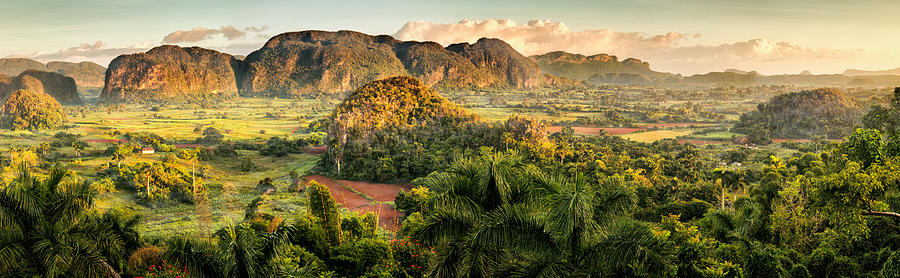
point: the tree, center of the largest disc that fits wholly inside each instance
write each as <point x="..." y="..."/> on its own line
<point x="121" y="151"/>
<point x="323" y="207"/>
<point x="864" y="146"/>
<point x="47" y="229"/>
<point x="891" y="267"/>
<point x="30" y="110"/>
<point x="79" y="146"/>
<point x="850" y="194"/>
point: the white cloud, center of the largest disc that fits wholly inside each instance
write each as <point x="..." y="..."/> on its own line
<point x="538" y="36"/>
<point x="672" y="51"/>
<point x="201" y="33"/>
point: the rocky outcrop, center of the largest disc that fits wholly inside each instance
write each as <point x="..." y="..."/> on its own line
<point x="502" y="63"/>
<point x="296" y="63"/>
<point x="60" y="87"/>
<point x="320" y="61"/>
<point x="600" y="68"/>
<point x="172" y="72"/>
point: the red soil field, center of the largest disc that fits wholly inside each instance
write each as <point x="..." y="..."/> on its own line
<point x="316" y="149"/>
<point x="388" y="217"/>
<point x="340" y="194"/>
<point x="379" y="191"/>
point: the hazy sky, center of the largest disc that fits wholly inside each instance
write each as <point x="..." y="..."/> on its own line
<point x="784" y="36"/>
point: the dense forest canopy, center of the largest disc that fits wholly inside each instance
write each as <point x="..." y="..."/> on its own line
<point x="825" y="113"/>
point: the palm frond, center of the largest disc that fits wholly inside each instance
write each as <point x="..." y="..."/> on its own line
<point x="513" y="227"/>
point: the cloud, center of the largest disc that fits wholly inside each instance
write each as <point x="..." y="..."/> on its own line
<point x="255" y="29"/>
<point x="86" y="46"/>
<point x="102" y="54"/>
<point x="200" y="33"/>
<point x="97" y="52"/>
<point x="539" y="36"/>
<point x="672" y="51"/>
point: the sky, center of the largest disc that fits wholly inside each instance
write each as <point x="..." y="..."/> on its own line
<point x="679" y="36"/>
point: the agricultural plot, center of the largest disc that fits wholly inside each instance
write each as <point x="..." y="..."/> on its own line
<point x="364" y="197"/>
<point x="655" y="135"/>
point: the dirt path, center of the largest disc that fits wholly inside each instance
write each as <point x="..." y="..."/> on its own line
<point x="342" y="195"/>
<point x="381" y="192"/>
<point x="388" y="217"/>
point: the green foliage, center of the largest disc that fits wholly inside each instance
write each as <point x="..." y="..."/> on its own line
<point x="277" y="146"/>
<point x="33" y="111"/>
<point x="891" y="268"/>
<point x="325" y="210"/>
<point x="864" y="146"/>
<point x="403" y="122"/>
<point x="48" y="229"/>
<point x="157" y="181"/>
<point x="805" y="114"/>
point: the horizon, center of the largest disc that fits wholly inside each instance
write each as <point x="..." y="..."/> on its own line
<point x="687" y="38"/>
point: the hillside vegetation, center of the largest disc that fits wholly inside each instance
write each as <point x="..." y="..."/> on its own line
<point x="386" y="130"/>
<point x="30" y="110"/>
<point x="806" y="114"/>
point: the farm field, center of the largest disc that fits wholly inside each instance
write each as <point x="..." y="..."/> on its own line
<point x="655" y="135"/>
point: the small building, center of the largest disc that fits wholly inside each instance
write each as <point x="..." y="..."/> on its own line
<point x="148" y="151"/>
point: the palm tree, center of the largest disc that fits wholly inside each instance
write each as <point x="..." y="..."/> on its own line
<point x="47" y="230"/>
<point x="242" y="252"/>
<point x="495" y="216"/>
<point x="469" y="192"/>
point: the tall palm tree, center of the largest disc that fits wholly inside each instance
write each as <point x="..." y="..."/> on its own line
<point x="46" y="229"/>
<point x="494" y="216"/>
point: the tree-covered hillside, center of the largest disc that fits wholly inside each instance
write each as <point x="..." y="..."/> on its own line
<point x="825" y="113"/>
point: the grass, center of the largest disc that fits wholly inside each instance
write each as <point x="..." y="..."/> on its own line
<point x="655" y="135"/>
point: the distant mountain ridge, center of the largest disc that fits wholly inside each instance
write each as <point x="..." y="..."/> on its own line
<point x="294" y="63"/>
<point x="84" y="73"/>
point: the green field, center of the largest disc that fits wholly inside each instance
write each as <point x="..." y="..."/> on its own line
<point x="654" y="135"/>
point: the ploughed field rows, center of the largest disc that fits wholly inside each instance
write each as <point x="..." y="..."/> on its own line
<point x="363" y="197"/>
